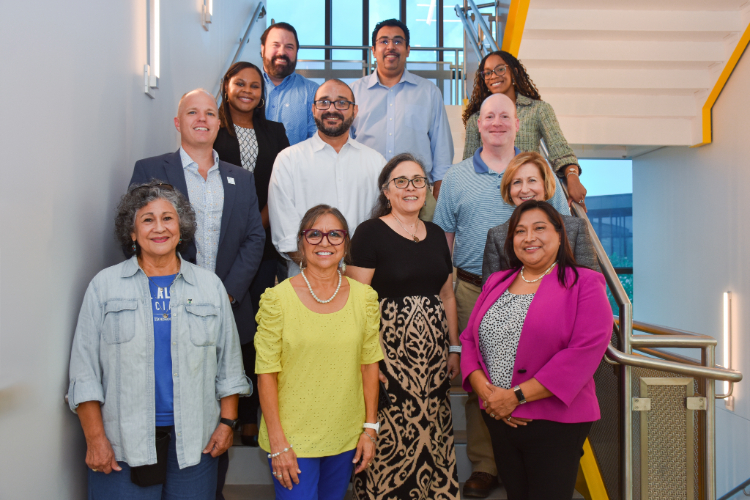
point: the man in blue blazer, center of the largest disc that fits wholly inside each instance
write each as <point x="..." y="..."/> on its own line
<point x="230" y="236"/>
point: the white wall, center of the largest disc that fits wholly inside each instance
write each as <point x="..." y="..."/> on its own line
<point x="691" y="243"/>
<point x="74" y="121"/>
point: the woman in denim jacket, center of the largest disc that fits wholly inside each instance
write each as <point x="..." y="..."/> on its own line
<point x="155" y="368"/>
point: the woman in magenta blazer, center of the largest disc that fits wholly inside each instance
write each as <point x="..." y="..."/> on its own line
<point x="534" y="340"/>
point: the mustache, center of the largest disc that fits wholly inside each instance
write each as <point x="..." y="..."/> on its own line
<point x="283" y="58"/>
<point x="330" y="114"/>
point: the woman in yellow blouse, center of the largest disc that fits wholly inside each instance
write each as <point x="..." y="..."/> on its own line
<point x="317" y="363"/>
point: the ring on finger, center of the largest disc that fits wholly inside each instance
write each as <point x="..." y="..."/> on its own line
<point x="95" y="470"/>
<point x="492" y="415"/>
<point x="508" y="419"/>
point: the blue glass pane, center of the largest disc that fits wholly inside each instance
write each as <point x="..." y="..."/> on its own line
<point x="380" y="10"/>
<point x="308" y="18"/>
<point x="421" y="19"/>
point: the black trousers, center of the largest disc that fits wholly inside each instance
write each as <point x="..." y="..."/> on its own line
<point x="538" y="461"/>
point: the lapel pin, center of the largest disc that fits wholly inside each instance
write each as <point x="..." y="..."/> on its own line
<point x="190" y="301"/>
<point x="230" y="180"/>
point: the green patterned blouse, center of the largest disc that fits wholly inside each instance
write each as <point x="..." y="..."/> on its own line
<point x="537" y="120"/>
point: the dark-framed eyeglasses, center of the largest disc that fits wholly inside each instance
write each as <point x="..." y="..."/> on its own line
<point x="402" y="182"/>
<point x="396" y="41"/>
<point x="341" y="104"/>
<point x="498" y="70"/>
<point x="315" y="236"/>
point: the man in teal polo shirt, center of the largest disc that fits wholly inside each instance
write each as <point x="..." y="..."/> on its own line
<point x="470" y="204"/>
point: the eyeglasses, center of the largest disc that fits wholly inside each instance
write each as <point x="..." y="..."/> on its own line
<point x="341" y="105"/>
<point x="402" y="182"/>
<point x="315" y="236"/>
<point x="499" y="70"/>
<point x="384" y="42"/>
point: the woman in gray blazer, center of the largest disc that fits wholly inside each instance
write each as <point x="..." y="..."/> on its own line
<point x="528" y="177"/>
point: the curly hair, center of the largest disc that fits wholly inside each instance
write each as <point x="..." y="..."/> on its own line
<point x="309" y="220"/>
<point x="140" y="195"/>
<point x="381" y="205"/>
<point x="225" y="112"/>
<point x="521" y="81"/>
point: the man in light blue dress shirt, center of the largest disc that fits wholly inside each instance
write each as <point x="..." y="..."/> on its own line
<point x="400" y="112"/>
<point x="289" y="96"/>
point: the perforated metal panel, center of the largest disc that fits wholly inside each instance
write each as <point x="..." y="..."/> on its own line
<point x="666" y="440"/>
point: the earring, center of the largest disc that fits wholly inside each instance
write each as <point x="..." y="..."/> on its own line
<point x="134" y="249"/>
<point x="388" y="204"/>
<point x="179" y="241"/>
<point x="262" y="102"/>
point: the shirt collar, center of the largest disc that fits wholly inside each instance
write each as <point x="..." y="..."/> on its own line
<point x="407" y="77"/>
<point x="130" y="268"/>
<point x="187" y="161"/>
<point x="319" y="144"/>
<point x="480" y="166"/>
<point x="267" y="78"/>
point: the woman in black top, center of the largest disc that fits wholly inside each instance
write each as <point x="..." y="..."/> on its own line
<point x="248" y="140"/>
<point x="407" y="261"/>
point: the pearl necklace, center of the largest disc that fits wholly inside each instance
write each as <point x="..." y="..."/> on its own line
<point x="540" y="277"/>
<point x="414" y="235"/>
<point x="309" y="287"/>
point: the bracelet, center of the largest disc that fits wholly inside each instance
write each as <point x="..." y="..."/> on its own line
<point x="455" y="348"/>
<point x="274" y="455"/>
<point x="374" y="440"/>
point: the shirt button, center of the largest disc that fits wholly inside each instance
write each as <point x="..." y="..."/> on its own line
<point x="175" y="374"/>
<point x="391" y="119"/>
<point x="390" y="151"/>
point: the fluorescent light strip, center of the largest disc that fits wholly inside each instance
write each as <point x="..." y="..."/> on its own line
<point x="157" y="38"/>
<point x="727" y="334"/>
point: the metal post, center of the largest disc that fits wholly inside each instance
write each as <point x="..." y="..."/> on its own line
<point x="710" y="427"/>
<point x="626" y="330"/>
<point x="483" y="25"/>
<point x="458" y="80"/>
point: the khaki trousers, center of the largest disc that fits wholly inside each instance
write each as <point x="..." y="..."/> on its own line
<point x="478" y="445"/>
<point x="428" y="211"/>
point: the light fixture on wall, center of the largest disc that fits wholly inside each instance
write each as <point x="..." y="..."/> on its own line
<point x="208" y="11"/>
<point x="153" y="45"/>
<point x="727" y="341"/>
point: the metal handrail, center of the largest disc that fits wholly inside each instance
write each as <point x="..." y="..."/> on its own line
<point x="657" y="329"/>
<point x="740" y="487"/>
<point x="259" y="13"/>
<point x="722" y="374"/>
<point x="482" y="24"/>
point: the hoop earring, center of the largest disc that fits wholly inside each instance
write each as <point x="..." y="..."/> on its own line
<point x="262" y="102"/>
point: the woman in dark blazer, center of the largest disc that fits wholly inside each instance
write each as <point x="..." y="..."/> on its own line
<point x="535" y="338"/>
<point x="248" y="140"/>
<point x="528" y="177"/>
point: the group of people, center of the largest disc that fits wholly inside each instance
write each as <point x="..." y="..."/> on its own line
<point x="297" y="255"/>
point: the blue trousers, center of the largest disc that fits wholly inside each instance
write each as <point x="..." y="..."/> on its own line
<point x="324" y="478"/>
<point x="191" y="483"/>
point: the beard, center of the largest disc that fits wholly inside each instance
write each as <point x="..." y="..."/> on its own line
<point x="279" y="70"/>
<point x="334" y="131"/>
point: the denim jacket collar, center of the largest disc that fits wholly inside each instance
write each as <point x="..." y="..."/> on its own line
<point x="131" y="267"/>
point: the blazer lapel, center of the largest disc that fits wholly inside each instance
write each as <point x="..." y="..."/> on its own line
<point x="230" y="191"/>
<point x="175" y="174"/>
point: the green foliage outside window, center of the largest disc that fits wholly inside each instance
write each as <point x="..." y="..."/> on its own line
<point x="625" y="279"/>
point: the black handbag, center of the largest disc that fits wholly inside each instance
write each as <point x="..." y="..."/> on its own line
<point x="384" y="399"/>
<point x="149" y="475"/>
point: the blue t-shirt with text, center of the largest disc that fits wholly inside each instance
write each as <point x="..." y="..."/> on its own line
<point x="160" y="291"/>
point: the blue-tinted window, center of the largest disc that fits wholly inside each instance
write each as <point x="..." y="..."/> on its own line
<point x="308" y="18"/>
<point x="380" y="10"/>
<point x="346" y="25"/>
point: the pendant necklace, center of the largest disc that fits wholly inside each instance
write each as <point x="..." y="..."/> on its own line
<point x="309" y="287"/>
<point x="414" y="234"/>
<point x="540" y="277"/>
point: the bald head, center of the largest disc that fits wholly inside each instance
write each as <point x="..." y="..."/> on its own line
<point x="193" y="92"/>
<point x="334" y="89"/>
<point x="498" y="102"/>
<point x="498" y="123"/>
<point x="197" y="120"/>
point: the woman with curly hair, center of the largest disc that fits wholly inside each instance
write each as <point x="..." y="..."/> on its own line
<point x="501" y="73"/>
<point x="155" y="367"/>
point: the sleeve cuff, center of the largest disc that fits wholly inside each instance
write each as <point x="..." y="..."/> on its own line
<point x="238" y="385"/>
<point x="82" y="392"/>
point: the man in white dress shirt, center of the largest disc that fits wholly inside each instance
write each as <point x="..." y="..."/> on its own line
<point x="330" y="168"/>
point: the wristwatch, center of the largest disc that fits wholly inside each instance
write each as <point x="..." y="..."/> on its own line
<point x="519" y="395"/>
<point x="233" y="424"/>
<point x="375" y="426"/>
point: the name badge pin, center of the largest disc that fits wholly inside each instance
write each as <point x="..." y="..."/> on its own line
<point x="230" y="180"/>
<point x="190" y="301"/>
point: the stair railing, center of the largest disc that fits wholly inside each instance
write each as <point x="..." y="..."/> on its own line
<point x="258" y="13"/>
<point x="704" y="370"/>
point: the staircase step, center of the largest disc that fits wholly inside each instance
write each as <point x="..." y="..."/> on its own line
<point x="265" y="492"/>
